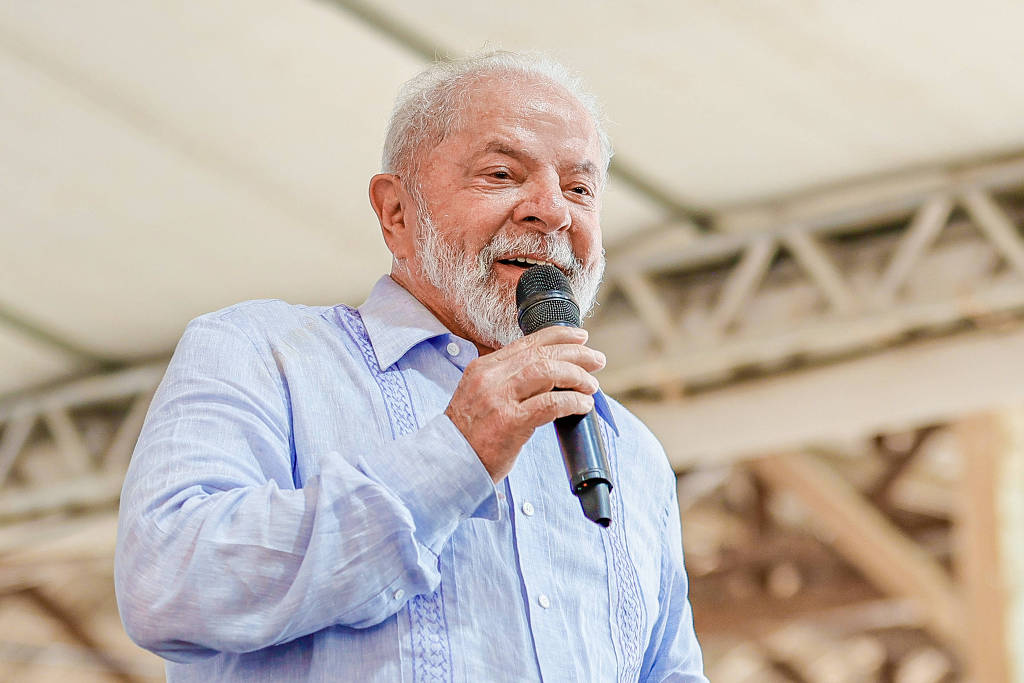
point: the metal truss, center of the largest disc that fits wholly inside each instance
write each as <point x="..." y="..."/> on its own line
<point x="63" y="454"/>
<point x="787" y="283"/>
<point x="778" y="285"/>
<point x="67" y="448"/>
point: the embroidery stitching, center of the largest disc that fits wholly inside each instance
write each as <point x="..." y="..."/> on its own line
<point x="630" y="611"/>
<point x="431" y="649"/>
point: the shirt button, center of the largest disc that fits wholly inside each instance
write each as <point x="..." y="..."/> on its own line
<point x="544" y="601"/>
<point x="398" y="594"/>
<point x="452" y="349"/>
<point x="501" y="496"/>
<point x="528" y="509"/>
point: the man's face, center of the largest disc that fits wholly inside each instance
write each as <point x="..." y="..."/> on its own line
<point x="519" y="179"/>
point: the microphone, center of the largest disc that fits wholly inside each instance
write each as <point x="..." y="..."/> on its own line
<point x="544" y="298"/>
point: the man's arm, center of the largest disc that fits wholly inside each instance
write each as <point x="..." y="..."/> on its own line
<point x="674" y="653"/>
<point x="217" y="548"/>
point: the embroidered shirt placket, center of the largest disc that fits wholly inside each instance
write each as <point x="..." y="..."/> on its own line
<point x="431" y="649"/>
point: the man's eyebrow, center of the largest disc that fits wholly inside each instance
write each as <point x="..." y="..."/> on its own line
<point x="586" y="168"/>
<point x="500" y="147"/>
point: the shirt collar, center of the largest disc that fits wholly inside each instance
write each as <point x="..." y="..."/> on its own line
<point x="396" y="321"/>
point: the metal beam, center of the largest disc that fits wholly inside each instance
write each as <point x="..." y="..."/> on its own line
<point x="44" y="337"/>
<point x="929" y="382"/>
<point x="22" y="657"/>
<point x="82" y="481"/>
<point x="107" y="386"/>
<point x="80" y="633"/>
<point x="741" y="305"/>
<point x="873" y="200"/>
<point x="869" y="541"/>
<point x="993" y="448"/>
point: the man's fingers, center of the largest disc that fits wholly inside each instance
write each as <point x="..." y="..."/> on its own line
<point x="544" y="408"/>
<point x="587" y="358"/>
<point x="546" y="374"/>
<point x="556" y="334"/>
<point x="511" y="364"/>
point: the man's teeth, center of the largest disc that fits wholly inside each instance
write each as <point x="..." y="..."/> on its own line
<point x="530" y="261"/>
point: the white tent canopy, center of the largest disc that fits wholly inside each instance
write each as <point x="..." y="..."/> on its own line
<point x="160" y="160"/>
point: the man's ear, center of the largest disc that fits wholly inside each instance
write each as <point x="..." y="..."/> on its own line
<point x="389" y="201"/>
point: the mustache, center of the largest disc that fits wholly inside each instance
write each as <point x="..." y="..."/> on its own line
<point x="555" y="249"/>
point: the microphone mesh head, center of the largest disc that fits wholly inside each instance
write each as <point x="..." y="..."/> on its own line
<point x="544" y="298"/>
<point x="541" y="279"/>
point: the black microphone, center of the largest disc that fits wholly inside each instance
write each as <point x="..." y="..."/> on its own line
<point x="544" y="298"/>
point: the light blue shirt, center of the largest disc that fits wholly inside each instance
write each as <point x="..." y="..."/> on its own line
<point x="299" y="508"/>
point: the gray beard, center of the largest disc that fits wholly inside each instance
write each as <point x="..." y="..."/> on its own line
<point x="480" y="304"/>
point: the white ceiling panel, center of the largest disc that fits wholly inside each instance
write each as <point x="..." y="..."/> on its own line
<point x="280" y="95"/>
<point x="130" y="213"/>
<point x="119" y="240"/>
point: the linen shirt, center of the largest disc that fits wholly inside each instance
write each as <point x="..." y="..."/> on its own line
<point x="299" y="508"/>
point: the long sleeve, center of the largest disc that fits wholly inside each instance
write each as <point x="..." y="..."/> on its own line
<point x="674" y="654"/>
<point x="222" y="548"/>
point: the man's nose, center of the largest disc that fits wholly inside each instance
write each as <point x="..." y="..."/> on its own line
<point x="543" y="206"/>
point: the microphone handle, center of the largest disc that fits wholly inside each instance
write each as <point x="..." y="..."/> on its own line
<point x="586" y="464"/>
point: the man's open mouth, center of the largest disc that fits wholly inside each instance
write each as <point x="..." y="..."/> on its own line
<point x="524" y="262"/>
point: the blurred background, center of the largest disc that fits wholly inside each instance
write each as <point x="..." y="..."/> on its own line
<point x="814" y="297"/>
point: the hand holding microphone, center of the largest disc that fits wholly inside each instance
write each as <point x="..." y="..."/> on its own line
<point x="544" y="299"/>
<point x="505" y="395"/>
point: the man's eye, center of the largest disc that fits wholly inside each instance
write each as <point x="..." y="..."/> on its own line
<point x="581" y="189"/>
<point x="501" y="175"/>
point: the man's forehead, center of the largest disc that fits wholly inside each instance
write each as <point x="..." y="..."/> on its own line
<point x="499" y="117"/>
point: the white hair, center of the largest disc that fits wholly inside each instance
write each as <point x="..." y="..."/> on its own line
<point x="429" y="105"/>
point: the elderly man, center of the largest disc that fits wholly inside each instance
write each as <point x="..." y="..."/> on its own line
<point x="328" y="493"/>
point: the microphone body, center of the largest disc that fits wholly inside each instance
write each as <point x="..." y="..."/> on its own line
<point x="544" y="298"/>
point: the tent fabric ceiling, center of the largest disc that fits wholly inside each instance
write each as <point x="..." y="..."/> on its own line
<point x="159" y="160"/>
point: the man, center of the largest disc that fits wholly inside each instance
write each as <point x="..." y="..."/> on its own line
<point x="376" y="494"/>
